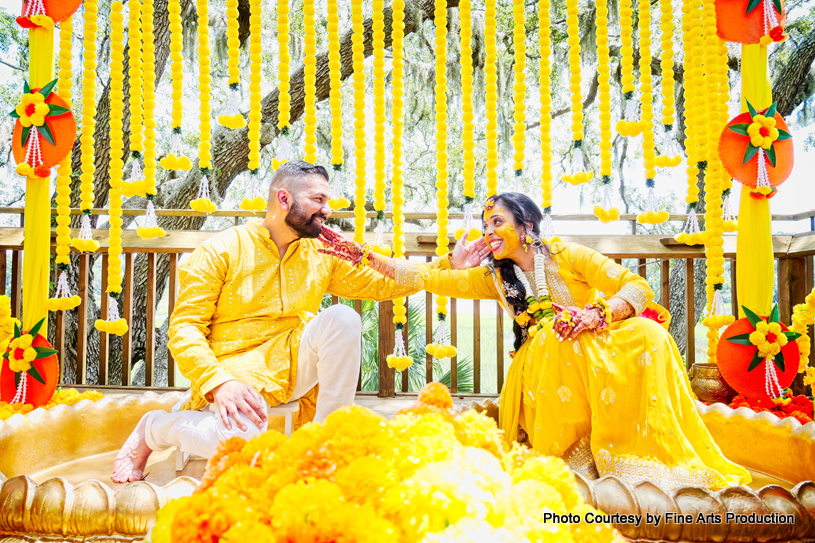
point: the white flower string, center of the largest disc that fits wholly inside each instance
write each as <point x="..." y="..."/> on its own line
<point x="727" y="213"/>
<point x="540" y="278"/>
<point x="20" y="396"/>
<point x="85" y="232"/>
<point x="692" y="224"/>
<point x="113" y="310"/>
<point x="203" y="188"/>
<point x="770" y="20"/>
<point x="762" y="177"/>
<point x="150" y="219"/>
<point x="399" y="348"/>
<point x="577" y="160"/>
<point x="63" y="290"/>
<point x="36" y="7"/>
<point x="33" y="151"/>
<point x="136" y="171"/>
<point x="771" y="384"/>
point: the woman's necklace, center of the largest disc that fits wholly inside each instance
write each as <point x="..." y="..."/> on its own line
<point x="540" y="306"/>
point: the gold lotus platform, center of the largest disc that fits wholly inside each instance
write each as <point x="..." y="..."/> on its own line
<point x="55" y="470"/>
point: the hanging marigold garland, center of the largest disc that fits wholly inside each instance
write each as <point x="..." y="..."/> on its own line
<point x="491" y="95"/>
<point x="284" y="98"/>
<point x="468" y="128"/>
<point x="62" y="299"/>
<point x="358" y="48"/>
<point x="257" y="201"/>
<point x="695" y="134"/>
<point x="606" y="212"/>
<point x="232" y="118"/>
<point x="174" y="159"/>
<point x="151" y="229"/>
<point x="670" y="156"/>
<point x="545" y="80"/>
<point x="399" y="359"/>
<point x="652" y="213"/>
<point x="803" y="316"/>
<point x="715" y="64"/>
<point x="335" y="100"/>
<point x="519" y="87"/>
<point x="627" y="126"/>
<point x="578" y="174"/>
<point x="310" y="78"/>
<point x="113" y="324"/>
<point x="378" y="28"/>
<point x="134" y="186"/>
<point x="203" y="202"/>
<point x="439" y="348"/>
<point x="85" y="242"/>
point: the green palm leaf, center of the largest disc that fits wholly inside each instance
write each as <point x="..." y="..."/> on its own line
<point x="35" y="373"/>
<point x="752" y="317"/>
<point x="749" y="153"/>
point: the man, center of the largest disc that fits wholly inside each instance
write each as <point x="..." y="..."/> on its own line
<point x="244" y="331"/>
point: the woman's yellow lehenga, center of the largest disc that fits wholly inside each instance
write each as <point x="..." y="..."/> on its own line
<point x="620" y="397"/>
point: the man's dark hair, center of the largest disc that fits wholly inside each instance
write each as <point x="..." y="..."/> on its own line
<point x="292" y="171"/>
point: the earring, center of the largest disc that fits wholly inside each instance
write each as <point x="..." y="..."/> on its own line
<point x="526" y="241"/>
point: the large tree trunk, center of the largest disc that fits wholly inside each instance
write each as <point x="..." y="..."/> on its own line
<point x="796" y="82"/>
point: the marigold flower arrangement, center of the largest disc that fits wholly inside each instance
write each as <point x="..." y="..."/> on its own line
<point x="20" y="352"/>
<point x="491" y="95"/>
<point x="798" y="407"/>
<point x="69" y="396"/>
<point x="426" y="475"/>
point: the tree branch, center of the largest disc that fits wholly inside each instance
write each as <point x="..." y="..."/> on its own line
<point x="591" y="96"/>
<point x="794" y="84"/>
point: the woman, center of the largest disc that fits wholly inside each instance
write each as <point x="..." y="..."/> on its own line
<point x="598" y="385"/>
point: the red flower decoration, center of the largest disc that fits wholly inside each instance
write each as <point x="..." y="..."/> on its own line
<point x="777" y="33"/>
<point x="42" y="171"/>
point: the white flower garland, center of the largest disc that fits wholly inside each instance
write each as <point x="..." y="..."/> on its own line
<point x="540" y="278"/>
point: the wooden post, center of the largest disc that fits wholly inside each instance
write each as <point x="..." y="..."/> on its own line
<point x="3" y="273"/>
<point x="358" y="309"/>
<point x="690" y="316"/>
<point x="477" y="346"/>
<point x="387" y="375"/>
<point x="103" y="312"/>
<point x="500" y="345"/>
<point x="734" y="298"/>
<point x="642" y="268"/>
<point x="16" y="281"/>
<point x="665" y="291"/>
<point x="59" y="344"/>
<point x="82" y="319"/>
<point x="792" y="289"/>
<point x="453" y="342"/>
<point x="150" y="321"/>
<point x="127" y="313"/>
<point x="406" y="336"/>
<point x="172" y="294"/>
<point x="428" y="334"/>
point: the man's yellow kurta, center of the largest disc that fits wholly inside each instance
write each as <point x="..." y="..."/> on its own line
<point x="242" y="308"/>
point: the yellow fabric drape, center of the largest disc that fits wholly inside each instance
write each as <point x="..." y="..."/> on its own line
<point x="37" y="244"/>
<point x="754" y="253"/>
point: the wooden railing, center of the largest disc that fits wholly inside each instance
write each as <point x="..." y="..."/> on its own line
<point x="646" y="254"/>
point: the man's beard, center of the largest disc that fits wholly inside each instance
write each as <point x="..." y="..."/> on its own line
<point x="302" y="224"/>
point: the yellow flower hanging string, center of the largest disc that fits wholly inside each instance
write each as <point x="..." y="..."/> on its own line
<point x="578" y="174"/>
<point x="379" y="245"/>
<point x="358" y="49"/>
<point x="439" y="348"/>
<point x="174" y="159"/>
<point x="468" y="129"/>
<point x="606" y="212"/>
<point x="232" y="118"/>
<point x="399" y="359"/>
<point x="284" y="98"/>
<point x="545" y="80"/>
<point x="519" y="89"/>
<point x="670" y="156"/>
<point x="627" y="126"/>
<point x="491" y="95"/>
<point x="652" y="213"/>
<point x="150" y="229"/>
<point x="203" y="203"/>
<point x="85" y="241"/>
<point x="62" y="299"/>
<point x="695" y="132"/>
<point x="335" y="100"/>
<point x="113" y="323"/>
<point x="258" y="200"/>
<point x="134" y="186"/>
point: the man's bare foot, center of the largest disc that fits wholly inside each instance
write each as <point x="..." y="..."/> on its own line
<point x="132" y="458"/>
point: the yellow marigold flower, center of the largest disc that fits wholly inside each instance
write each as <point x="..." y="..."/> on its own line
<point x="18" y="364"/>
<point x="475" y="429"/>
<point x="809" y="378"/>
<point x="25" y="341"/>
<point x="762" y="132"/>
<point x="774" y="328"/>
<point x="554" y="472"/>
<point x="436" y="394"/>
<point x="522" y="319"/>
<point x="756" y="337"/>
<point x="30" y="354"/>
<point x="762" y="326"/>
<point x="33" y="109"/>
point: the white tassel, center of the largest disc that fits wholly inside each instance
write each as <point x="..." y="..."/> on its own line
<point x="232" y="106"/>
<point x="63" y="290"/>
<point x="379" y="239"/>
<point x="762" y="177"/>
<point x="692" y="224"/>
<point x="85" y="232"/>
<point x="113" y="310"/>
<point x="175" y="144"/>
<point x="20" y="396"/>
<point x="33" y="151"/>
<point x="399" y="347"/>
<point x="727" y="214"/>
<point x="469" y="220"/>
<point x="651" y="203"/>
<point x="717" y="307"/>
<point x="577" y="160"/>
<point x="203" y="188"/>
<point x="547" y="227"/>
<point x="518" y="186"/>
<point x="630" y="109"/>
<point x="771" y="385"/>
<point x="606" y="196"/>
<point x="135" y="171"/>
<point x="668" y="144"/>
<point x="150" y="220"/>
<point x="440" y="336"/>
<point x="283" y="148"/>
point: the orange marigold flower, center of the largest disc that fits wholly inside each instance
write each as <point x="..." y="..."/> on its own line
<point x="436" y="394"/>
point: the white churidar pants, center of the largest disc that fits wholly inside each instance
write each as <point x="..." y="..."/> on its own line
<point x="330" y="351"/>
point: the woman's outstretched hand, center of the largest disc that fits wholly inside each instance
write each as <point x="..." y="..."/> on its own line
<point x="341" y="247"/>
<point x="468" y="254"/>
<point x="581" y="320"/>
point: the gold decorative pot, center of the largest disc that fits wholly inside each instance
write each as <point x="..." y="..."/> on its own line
<point x="709" y="385"/>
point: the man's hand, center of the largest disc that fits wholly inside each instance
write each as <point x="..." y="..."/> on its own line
<point x="233" y="396"/>
<point x="340" y="247"/>
<point x="468" y="254"/>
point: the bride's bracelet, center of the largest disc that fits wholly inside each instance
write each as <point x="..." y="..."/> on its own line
<point x="363" y="259"/>
<point x="606" y="317"/>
